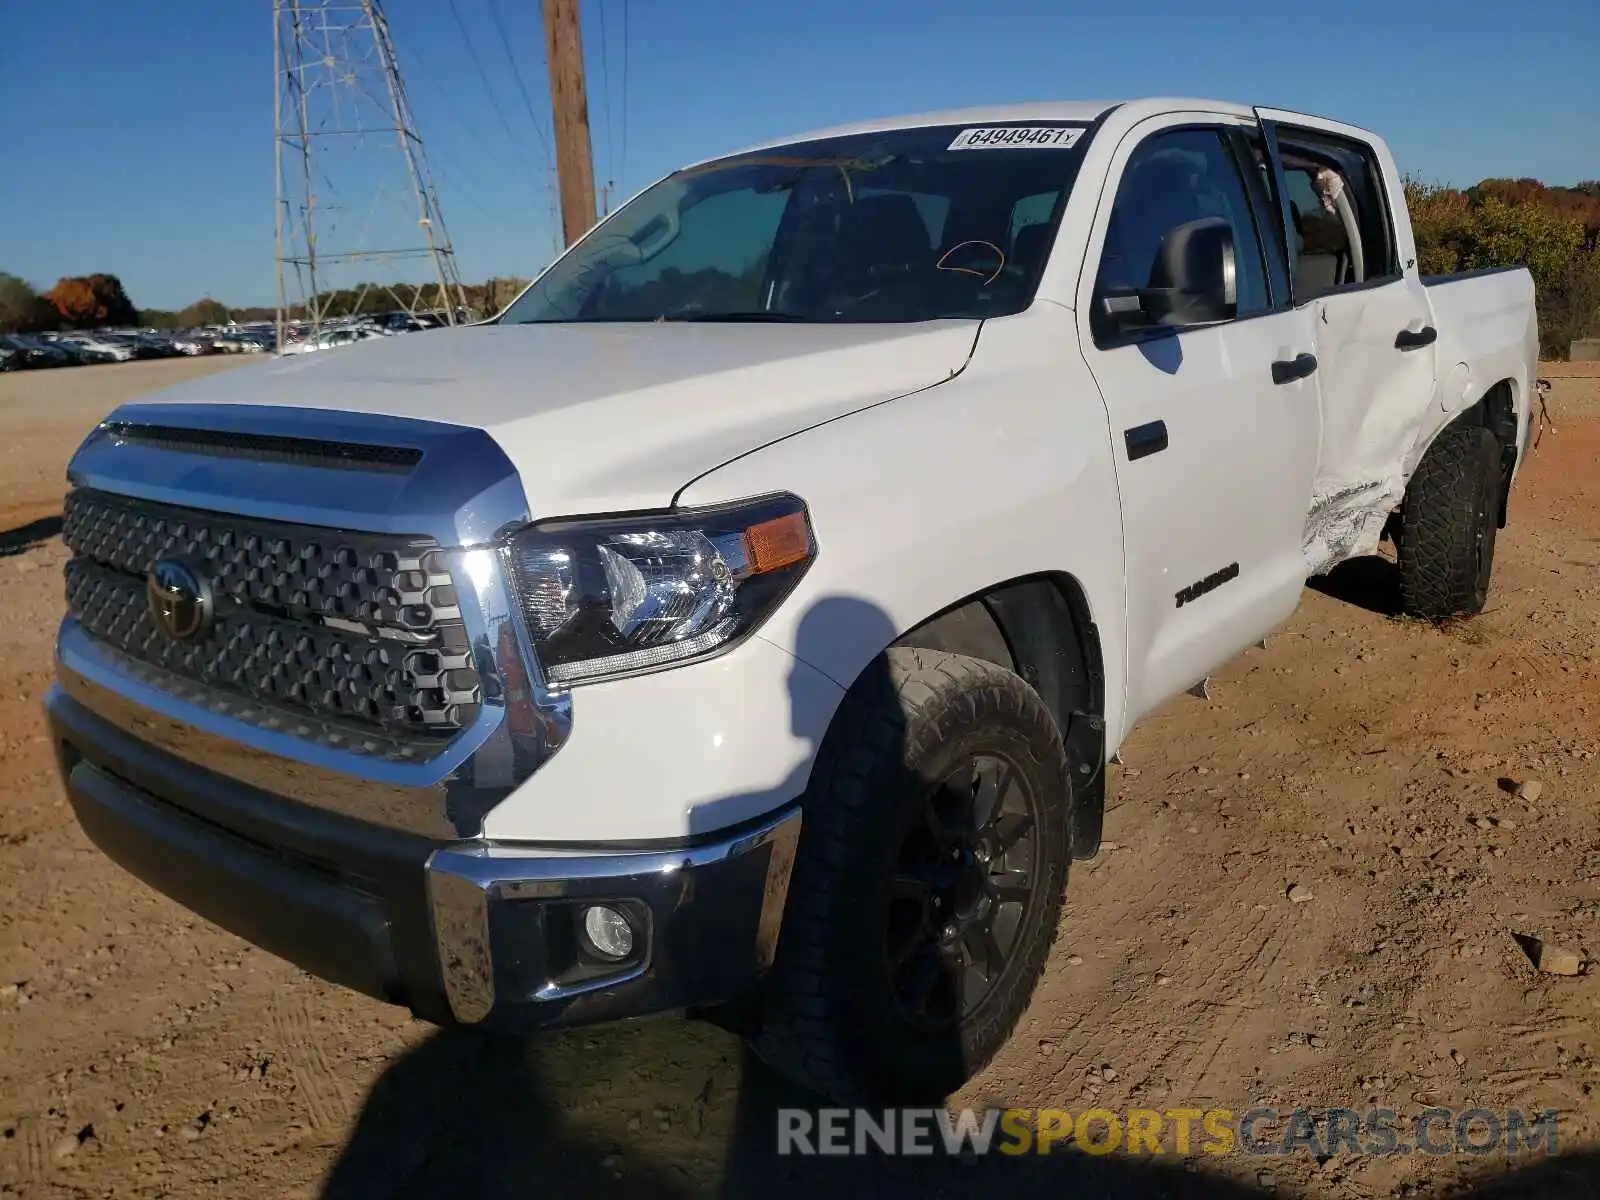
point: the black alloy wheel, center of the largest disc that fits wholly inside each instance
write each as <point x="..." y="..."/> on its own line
<point x="960" y="894"/>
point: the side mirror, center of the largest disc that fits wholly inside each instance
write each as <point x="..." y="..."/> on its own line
<point x="1195" y="277"/>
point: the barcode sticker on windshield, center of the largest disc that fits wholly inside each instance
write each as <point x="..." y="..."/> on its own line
<point x="1018" y="137"/>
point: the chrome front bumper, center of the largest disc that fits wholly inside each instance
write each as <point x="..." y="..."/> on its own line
<point x="477" y="933"/>
<point x="508" y="923"/>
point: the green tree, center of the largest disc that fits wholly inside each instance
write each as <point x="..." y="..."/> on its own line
<point x="1439" y="219"/>
<point x="23" y="310"/>
<point x="205" y="311"/>
<point x="1510" y="223"/>
<point x="1526" y="234"/>
<point x="1570" y="307"/>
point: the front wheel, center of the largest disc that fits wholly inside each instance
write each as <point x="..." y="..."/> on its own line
<point x="929" y="879"/>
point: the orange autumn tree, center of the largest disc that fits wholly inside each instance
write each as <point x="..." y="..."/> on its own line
<point x="87" y="301"/>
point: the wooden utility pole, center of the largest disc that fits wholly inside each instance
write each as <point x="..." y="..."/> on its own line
<point x="569" y="104"/>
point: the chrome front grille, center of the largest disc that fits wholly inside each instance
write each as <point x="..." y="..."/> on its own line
<point x="350" y="628"/>
<point x="301" y="570"/>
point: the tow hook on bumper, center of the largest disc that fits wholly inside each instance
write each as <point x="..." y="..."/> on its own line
<point x="530" y="936"/>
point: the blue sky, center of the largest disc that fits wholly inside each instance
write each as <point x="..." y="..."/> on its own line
<point x="137" y="139"/>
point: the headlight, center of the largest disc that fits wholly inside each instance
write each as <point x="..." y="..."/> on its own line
<point x="628" y="594"/>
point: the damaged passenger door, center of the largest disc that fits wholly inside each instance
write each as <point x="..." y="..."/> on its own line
<point x="1352" y="265"/>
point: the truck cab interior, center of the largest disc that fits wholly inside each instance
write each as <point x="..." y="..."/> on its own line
<point x="1340" y="223"/>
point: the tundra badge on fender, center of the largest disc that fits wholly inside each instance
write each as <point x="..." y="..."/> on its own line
<point x="1209" y="584"/>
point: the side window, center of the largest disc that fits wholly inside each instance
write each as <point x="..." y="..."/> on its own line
<point x="1162" y="266"/>
<point x="1342" y="234"/>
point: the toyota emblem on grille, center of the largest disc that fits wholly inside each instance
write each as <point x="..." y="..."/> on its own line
<point x="180" y="602"/>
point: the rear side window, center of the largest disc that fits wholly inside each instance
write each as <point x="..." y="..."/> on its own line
<point x="1342" y="234"/>
<point x="1173" y="179"/>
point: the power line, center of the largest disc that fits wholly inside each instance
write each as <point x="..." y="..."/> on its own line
<point x="499" y="214"/>
<point x="483" y="76"/>
<point x="538" y="127"/>
<point x="624" y="155"/>
<point x="522" y="87"/>
<point x="444" y="98"/>
<point x="605" y="93"/>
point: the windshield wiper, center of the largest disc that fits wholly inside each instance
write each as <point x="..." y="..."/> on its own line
<point x="751" y="315"/>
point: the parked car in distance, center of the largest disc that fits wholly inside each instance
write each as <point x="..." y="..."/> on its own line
<point x="74" y="355"/>
<point x="96" y="348"/>
<point x="193" y="344"/>
<point x="154" y="345"/>
<point x="41" y="353"/>
<point x="244" y="341"/>
<point x="329" y="339"/>
<point x="19" y="354"/>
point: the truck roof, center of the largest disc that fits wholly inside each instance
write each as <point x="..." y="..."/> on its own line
<point x="1042" y="110"/>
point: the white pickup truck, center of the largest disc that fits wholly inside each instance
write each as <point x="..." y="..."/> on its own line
<point x="742" y="621"/>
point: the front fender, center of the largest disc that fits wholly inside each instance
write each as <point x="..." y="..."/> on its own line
<point x="1004" y="471"/>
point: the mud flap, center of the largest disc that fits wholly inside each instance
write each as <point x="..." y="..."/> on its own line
<point x="1085" y="744"/>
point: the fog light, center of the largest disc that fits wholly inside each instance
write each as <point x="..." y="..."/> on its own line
<point x="608" y="933"/>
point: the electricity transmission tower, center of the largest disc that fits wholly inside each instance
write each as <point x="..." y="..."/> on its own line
<point x="355" y="197"/>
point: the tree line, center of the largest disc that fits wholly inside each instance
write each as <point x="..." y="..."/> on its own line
<point x="100" y="301"/>
<point x="1553" y="231"/>
<point x="91" y="302"/>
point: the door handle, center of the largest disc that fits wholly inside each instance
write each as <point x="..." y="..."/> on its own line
<point x="1287" y="370"/>
<point x="1416" y="339"/>
<point x="1145" y="439"/>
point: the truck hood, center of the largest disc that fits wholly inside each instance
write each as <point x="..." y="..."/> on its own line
<point x="609" y="417"/>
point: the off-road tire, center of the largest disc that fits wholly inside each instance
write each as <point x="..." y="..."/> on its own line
<point x="1448" y="525"/>
<point x="831" y="1021"/>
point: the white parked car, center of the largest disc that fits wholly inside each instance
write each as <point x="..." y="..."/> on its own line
<point x="104" y="349"/>
<point x="331" y="338"/>
<point x="744" y="619"/>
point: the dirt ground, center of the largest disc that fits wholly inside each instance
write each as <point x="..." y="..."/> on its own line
<point x="1367" y="759"/>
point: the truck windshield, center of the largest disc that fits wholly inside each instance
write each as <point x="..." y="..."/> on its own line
<point x="896" y="225"/>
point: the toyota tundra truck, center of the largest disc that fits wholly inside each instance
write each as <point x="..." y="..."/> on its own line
<point x="742" y="621"/>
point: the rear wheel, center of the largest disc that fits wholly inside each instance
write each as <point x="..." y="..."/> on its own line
<point x="1448" y="525"/>
<point x="929" y="879"/>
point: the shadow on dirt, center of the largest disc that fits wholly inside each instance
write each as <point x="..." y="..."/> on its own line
<point x="663" y="1109"/>
<point x="669" y="1110"/>
<point x="25" y="537"/>
<point x="1371" y="582"/>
